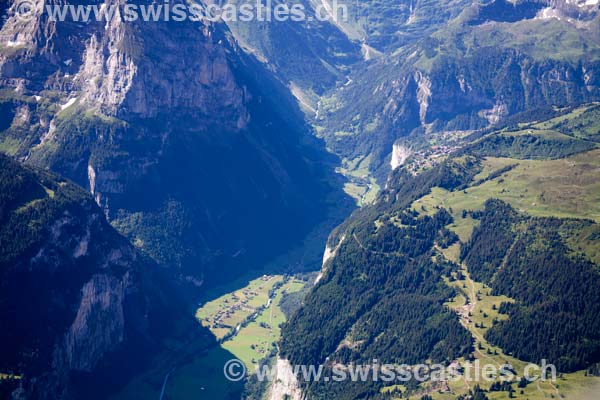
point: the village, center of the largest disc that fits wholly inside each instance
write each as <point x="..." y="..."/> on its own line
<point x="428" y="157"/>
<point x="228" y="314"/>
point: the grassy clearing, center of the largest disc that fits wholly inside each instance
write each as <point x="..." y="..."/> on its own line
<point x="452" y="253"/>
<point x="364" y="193"/>
<point x="478" y="311"/>
<point x="355" y="191"/>
<point x="566" y="188"/>
<point x="542" y="133"/>
<point x="10" y="145"/>
<point x="585" y="240"/>
<point x="360" y="186"/>
<point x="582" y="123"/>
<point x="523" y="186"/>
<point x="248" y="320"/>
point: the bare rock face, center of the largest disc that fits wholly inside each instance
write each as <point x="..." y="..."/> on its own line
<point x="423" y="94"/>
<point x="148" y="69"/>
<point x="400" y="154"/>
<point x="119" y="68"/>
<point x="37" y="53"/>
<point x="107" y="74"/>
<point x="98" y="327"/>
<point x="285" y="384"/>
<point x="74" y="291"/>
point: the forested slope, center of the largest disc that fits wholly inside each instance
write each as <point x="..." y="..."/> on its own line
<point x="493" y="215"/>
<point x="81" y="310"/>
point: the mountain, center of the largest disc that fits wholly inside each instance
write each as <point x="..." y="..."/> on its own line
<point x="313" y="56"/>
<point x="489" y="253"/>
<point x="383" y="26"/>
<point x="486" y="62"/>
<point x="81" y="308"/>
<point x="190" y="147"/>
<point x="150" y="170"/>
<point x="309" y="56"/>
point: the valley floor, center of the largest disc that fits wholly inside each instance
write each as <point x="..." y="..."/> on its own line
<point x="246" y="324"/>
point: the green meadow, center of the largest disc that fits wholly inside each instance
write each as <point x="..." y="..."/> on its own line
<point x="256" y="310"/>
<point x="566" y="188"/>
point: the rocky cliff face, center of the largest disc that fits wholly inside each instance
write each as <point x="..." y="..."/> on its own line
<point x="285" y="385"/>
<point x="128" y="71"/>
<point x="38" y="53"/>
<point x="173" y="129"/>
<point x="399" y="155"/>
<point x="73" y="290"/>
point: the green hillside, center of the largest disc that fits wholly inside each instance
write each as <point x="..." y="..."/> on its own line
<point x="508" y="233"/>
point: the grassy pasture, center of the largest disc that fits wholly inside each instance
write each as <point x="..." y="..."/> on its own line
<point x="566" y="188"/>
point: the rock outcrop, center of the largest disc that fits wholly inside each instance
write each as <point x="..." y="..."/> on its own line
<point x="285" y="384"/>
<point x="399" y="155"/>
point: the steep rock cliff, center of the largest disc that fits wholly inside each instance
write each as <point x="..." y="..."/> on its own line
<point x="174" y="130"/>
<point x="73" y="291"/>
